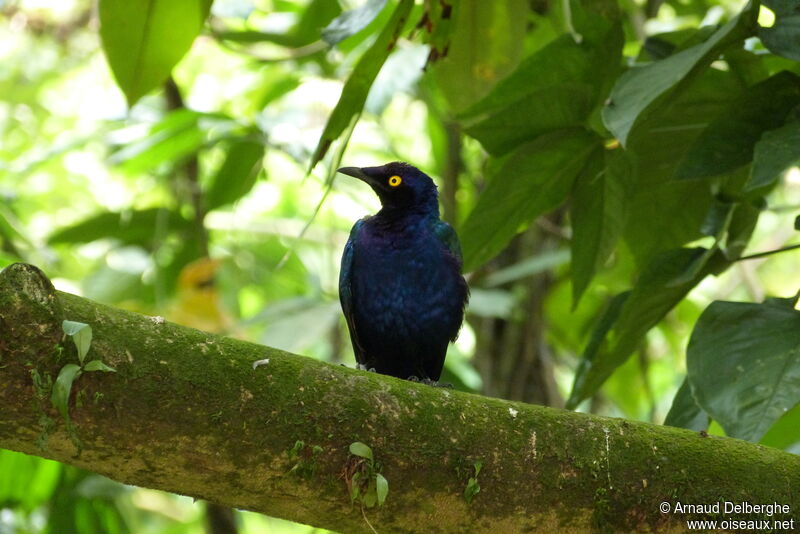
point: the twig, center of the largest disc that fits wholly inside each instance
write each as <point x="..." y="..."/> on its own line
<point x="768" y="252"/>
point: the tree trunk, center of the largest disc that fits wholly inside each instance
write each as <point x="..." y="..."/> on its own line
<point x="187" y="412"/>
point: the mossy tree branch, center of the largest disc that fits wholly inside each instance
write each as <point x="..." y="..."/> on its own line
<point x="187" y="412"/>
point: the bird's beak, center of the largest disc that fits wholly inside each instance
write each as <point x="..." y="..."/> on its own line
<point x="355" y="172"/>
<point x="359" y="173"/>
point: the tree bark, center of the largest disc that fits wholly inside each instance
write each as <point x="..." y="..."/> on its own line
<point x="187" y="412"/>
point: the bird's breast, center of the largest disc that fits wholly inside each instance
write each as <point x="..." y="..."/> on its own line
<point x="406" y="284"/>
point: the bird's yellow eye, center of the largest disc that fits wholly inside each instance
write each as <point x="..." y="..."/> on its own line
<point x="395" y="180"/>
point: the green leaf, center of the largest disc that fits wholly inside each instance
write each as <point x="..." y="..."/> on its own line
<point x="776" y="152"/>
<point x="144" y="39"/>
<point x="359" y="449"/>
<point x="237" y="175"/>
<point x="97" y="365"/>
<point x="639" y="90"/>
<point x="539" y="263"/>
<point x="685" y="412"/>
<point x="743" y="362"/>
<point x="356" y="88"/>
<point x="81" y="334"/>
<point x="622" y="330"/>
<point x="484" y="47"/>
<point x="136" y="227"/>
<point x="743" y="222"/>
<point x="28" y="482"/>
<point x="63" y="386"/>
<point x="352" y="22"/>
<point x="171" y="140"/>
<point x="381" y="488"/>
<point x="355" y="486"/>
<point x="656" y="148"/>
<point x="599" y="207"/>
<point x="785" y="433"/>
<point x="557" y="87"/>
<point x="783" y="37"/>
<point x="532" y="180"/>
<point x="472" y="489"/>
<point x="727" y="143"/>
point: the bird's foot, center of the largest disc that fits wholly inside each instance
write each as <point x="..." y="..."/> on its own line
<point x="429" y="382"/>
<point x="362" y="367"/>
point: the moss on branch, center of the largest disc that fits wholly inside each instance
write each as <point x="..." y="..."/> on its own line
<point x="187" y="412"/>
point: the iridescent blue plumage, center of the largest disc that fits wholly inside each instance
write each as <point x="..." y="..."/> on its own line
<point x="400" y="285"/>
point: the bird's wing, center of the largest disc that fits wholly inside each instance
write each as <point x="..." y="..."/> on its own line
<point x="449" y="239"/>
<point x="346" y="291"/>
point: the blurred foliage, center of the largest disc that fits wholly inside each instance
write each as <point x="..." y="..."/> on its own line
<point x="610" y="166"/>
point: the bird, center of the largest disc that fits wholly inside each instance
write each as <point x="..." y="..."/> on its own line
<point x="401" y="287"/>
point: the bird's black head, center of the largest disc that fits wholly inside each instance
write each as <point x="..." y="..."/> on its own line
<point x="400" y="186"/>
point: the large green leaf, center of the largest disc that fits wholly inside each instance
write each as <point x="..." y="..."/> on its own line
<point x="598" y="210"/>
<point x="656" y="147"/>
<point x="484" y="47"/>
<point x="557" y="87"/>
<point x="144" y="39"/>
<point x="654" y="294"/>
<point x="743" y="362"/>
<point x="774" y="154"/>
<point x="727" y="143"/>
<point x="356" y="88"/>
<point x="685" y="412"/>
<point x="136" y="227"/>
<point x="639" y="90"/>
<point x="532" y="180"/>
<point x="237" y="175"/>
<point x="783" y="37"/>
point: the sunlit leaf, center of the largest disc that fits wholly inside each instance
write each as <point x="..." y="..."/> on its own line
<point x="484" y="47"/>
<point x="63" y="386"/>
<point x="743" y="362"/>
<point x="638" y="90"/>
<point x="97" y="365"/>
<point x="557" y="87"/>
<point x="351" y="22"/>
<point x="81" y="334"/>
<point x="530" y="181"/>
<point x="144" y="39"/>
<point x="171" y="140"/>
<point x="785" y="433"/>
<point x="356" y="88"/>
<point x="28" y="482"/>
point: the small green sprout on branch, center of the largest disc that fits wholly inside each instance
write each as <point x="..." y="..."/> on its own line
<point x="366" y="484"/>
<point x="364" y="481"/>
<point x="473" y="488"/>
<point x="305" y="458"/>
<point x="81" y="334"/>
